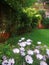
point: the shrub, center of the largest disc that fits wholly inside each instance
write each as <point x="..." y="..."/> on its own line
<point x="42" y="13"/>
<point x="35" y="19"/>
<point x="45" y="22"/>
<point x="22" y="21"/>
<point x="33" y="15"/>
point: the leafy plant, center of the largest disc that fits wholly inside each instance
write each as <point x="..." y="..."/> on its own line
<point x="46" y="22"/>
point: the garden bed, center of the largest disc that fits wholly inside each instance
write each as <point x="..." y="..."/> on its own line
<point x="36" y="35"/>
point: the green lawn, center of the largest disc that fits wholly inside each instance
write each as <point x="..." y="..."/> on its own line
<point x="36" y="35"/>
<point x="39" y="35"/>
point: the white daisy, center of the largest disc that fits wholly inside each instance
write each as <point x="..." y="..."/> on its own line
<point x="43" y="63"/>
<point x="16" y="50"/>
<point x="22" y="49"/>
<point x="30" y="52"/>
<point x="29" y="59"/>
<point x="4" y="58"/>
<point x="47" y="52"/>
<point x="44" y="58"/>
<point x="22" y="53"/>
<point x="5" y="62"/>
<point x="22" y="44"/>
<point x="11" y="61"/>
<point x="36" y="51"/>
<point x="28" y="43"/>
<point x="38" y="42"/>
<point x="20" y="41"/>
<point x="22" y="38"/>
<point x="39" y="56"/>
<point x="29" y="40"/>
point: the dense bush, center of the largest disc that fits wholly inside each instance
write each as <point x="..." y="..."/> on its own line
<point x="36" y="19"/>
<point x="25" y="21"/>
<point x="23" y="3"/>
<point x="19" y="19"/>
<point x="34" y="16"/>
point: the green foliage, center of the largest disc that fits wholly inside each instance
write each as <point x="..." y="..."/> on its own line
<point x="30" y="11"/>
<point x="15" y="4"/>
<point x="22" y="19"/>
<point x="24" y="23"/>
<point x="42" y="12"/>
<point x="17" y="20"/>
<point x="46" y="22"/>
<point x="33" y="15"/>
<point x="20" y="3"/>
<point x="29" y="3"/>
<point x="26" y="19"/>
<point x="44" y="0"/>
<point x="38" y="16"/>
<point x="47" y="61"/>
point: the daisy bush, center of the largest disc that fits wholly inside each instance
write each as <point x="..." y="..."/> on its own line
<point x="26" y="53"/>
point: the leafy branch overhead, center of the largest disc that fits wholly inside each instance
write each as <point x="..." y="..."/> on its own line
<point x="20" y="3"/>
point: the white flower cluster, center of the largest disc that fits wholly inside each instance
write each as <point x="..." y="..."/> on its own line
<point x="10" y="61"/>
<point x="22" y="43"/>
<point x="28" y="56"/>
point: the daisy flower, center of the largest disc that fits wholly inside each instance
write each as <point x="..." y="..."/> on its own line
<point x="36" y="51"/>
<point x="4" y="58"/>
<point x="5" y="62"/>
<point x="28" y="43"/>
<point x="15" y="50"/>
<point x="20" y="41"/>
<point x="28" y="59"/>
<point x="44" y="58"/>
<point x="22" y="38"/>
<point x="39" y="56"/>
<point x="43" y="63"/>
<point x="22" y="53"/>
<point x="39" y="42"/>
<point x="47" y="52"/>
<point x="29" y="40"/>
<point x="22" y="49"/>
<point x="22" y="44"/>
<point x="11" y="61"/>
<point x="30" y="52"/>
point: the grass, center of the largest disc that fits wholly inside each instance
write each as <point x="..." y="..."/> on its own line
<point x="36" y="35"/>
